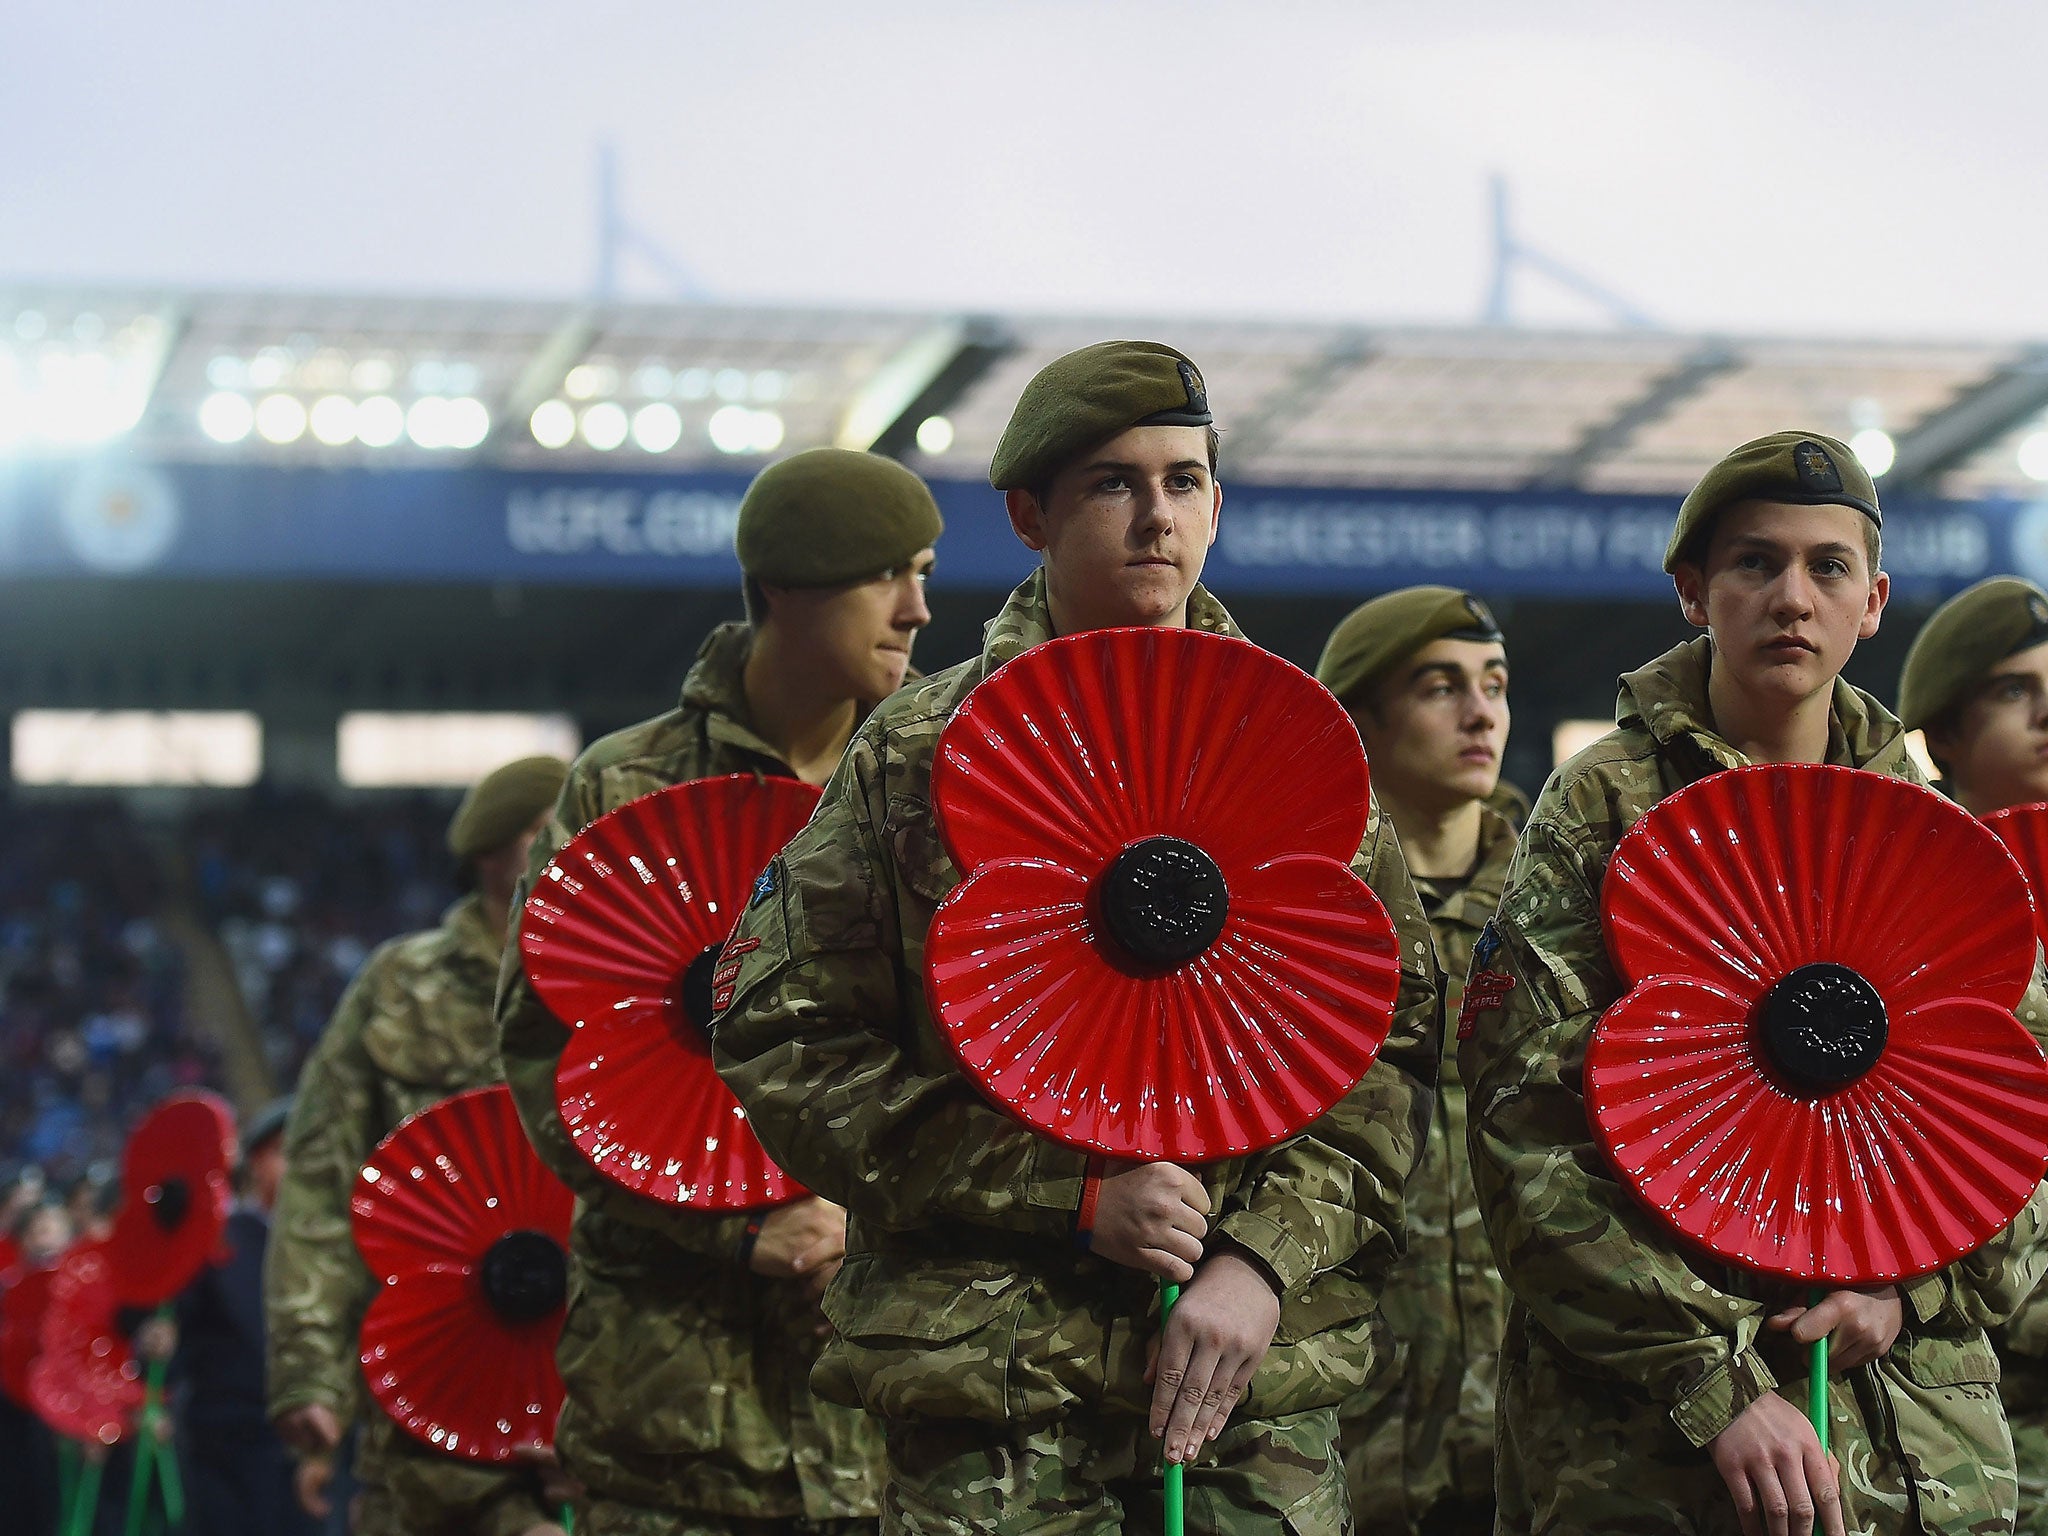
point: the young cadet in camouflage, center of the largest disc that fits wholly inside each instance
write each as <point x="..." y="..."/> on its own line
<point x="1644" y="1387"/>
<point x="1424" y="673"/>
<point x="690" y="1336"/>
<point x="1011" y="1366"/>
<point x="414" y="1027"/>
<point x="1976" y="682"/>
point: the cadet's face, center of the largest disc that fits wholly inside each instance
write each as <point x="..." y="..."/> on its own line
<point x="1786" y="591"/>
<point x="859" y="635"/>
<point x="47" y="1234"/>
<point x="1124" y="531"/>
<point x="1439" y="726"/>
<point x="1997" y="750"/>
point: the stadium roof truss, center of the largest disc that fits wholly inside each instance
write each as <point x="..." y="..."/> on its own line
<point x="308" y="379"/>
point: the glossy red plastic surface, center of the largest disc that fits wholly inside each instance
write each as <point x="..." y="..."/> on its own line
<point x="1082" y="747"/>
<point x="11" y="1266"/>
<point x="1722" y="890"/>
<point x="615" y="922"/>
<point x="21" y="1330"/>
<point x="84" y="1381"/>
<point x="188" y="1141"/>
<point x="2024" y="831"/>
<point x="435" y="1195"/>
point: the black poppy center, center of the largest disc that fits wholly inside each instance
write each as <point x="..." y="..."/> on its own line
<point x="695" y="991"/>
<point x="525" y="1276"/>
<point x="169" y="1202"/>
<point x="1164" y="900"/>
<point x="1823" y="1027"/>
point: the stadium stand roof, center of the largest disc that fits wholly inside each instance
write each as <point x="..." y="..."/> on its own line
<point x="282" y="378"/>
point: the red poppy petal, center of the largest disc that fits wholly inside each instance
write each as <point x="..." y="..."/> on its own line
<point x="451" y="1180"/>
<point x="1747" y="874"/>
<point x="646" y="1109"/>
<point x="1231" y="1052"/>
<point x="186" y="1146"/>
<point x="21" y="1323"/>
<point x="455" y="1376"/>
<point x="84" y="1382"/>
<point x="1897" y="1174"/>
<point x="638" y="895"/>
<point x="1084" y="744"/>
<point x="2024" y="831"/>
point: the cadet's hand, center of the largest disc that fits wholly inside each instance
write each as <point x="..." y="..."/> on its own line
<point x="1770" y="1459"/>
<point x="1860" y="1325"/>
<point x="1219" y="1332"/>
<point x="309" y="1486"/>
<point x="799" y="1239"/>
<point x="1153" y="1217"/>
<point x="311" y="1431"/>
<point x="156" y="1338"/>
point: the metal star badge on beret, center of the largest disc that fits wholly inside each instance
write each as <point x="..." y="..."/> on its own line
<point x="621" y="939"/>
<point x="1160" y="950"/>
<point x="177" y="1189"/>
<point x="466" y="1232"/>
<point x="1812" y="1076"/>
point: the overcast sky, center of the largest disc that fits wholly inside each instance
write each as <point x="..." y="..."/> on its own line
<point x="1875" y="168"/>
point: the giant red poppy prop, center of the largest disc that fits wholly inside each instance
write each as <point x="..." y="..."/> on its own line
<point x="21" y="1329"/>
<point x="84" y="1381"/>
<point x="2024" y="831"/>
<point x="466" y="1231"/>
<point x="621" y="938"/>
<point x="177" y="1189"/>
<point x="1817" y="1072"/>
<point x="1160" y="950"/>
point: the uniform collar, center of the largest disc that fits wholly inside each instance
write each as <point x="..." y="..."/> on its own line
<point x="1026" y="620"/>
<point x="716" y="689"/>
<point x="471" y="930"/>
<point x="1668" y="699"/>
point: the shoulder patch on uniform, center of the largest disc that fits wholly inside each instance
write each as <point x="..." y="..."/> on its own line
<point x="767" y="885"/>
<point x="1487" y="946"/>
<point x="1485" y="991"/>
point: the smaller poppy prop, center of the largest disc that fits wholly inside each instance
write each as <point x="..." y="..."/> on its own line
<point x="2024" y="831"/>
<point x="177" y="1189"/>
<point x="1809" y="1075"/>
<point x="467" y="1233"/>
<point x="1160" y="951"/>
<point x="21" y="1330"/>
<point x="621" y="938"/>
<point x="84" y="1383"/>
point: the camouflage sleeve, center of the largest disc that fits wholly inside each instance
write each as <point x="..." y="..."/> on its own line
<point x="1594" y="1268"/>
<point x="1334" y="1195"/>
<point x="314" y="1284"/>
<point x="530" y="1044"/>
<point x="1990" y="1285"/>
<point x="813" y="1042"/>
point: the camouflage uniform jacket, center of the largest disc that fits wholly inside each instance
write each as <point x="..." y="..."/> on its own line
<point x="1444" y="1303"/>
<point x="414" y="1027"/>
<point x="1623" y="1351"/>
<point x="963" y="1295"/>
<point x="686" y="1372"/>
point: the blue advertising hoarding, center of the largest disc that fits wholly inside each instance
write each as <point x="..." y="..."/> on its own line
<point x="487" y="525"/>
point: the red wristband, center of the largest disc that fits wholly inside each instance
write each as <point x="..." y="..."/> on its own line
<point x="1084" y="1219"/>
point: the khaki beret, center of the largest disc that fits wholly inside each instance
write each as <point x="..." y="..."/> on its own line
<point x="1077" y="402"/>
<point x="1378" y="636"/>
<point x="1803" y="468"/>
<point x="504" y="803"/>
<point x="1967" y="636"/>
<point x="829" y="516"/>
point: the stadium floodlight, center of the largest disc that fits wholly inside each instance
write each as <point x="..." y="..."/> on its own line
<point x="379" y="750"/>
<point x="693" y="383"/>
<point x="604" y="425"/>
<point x="269" y="368"/>
<point x="731" y="384"/>
<point x="426" y="422"/>
<point x="736" y="429"/>
<point x="2033" y="455"/>
<point x="373" y="375"/>
<point x="227" y="372"/>
<point x="280" y="419"/>
<point x="333" y="419"/>
<point x="587" y="381"/>
<point x="380" y="422"/>
<point x="934" y="435"/>
<point x="553" y="423"/>
<point x="1874" y="446"/>
<point x="657" y="427"/>
<point x="769" y="385"/>
<point x="468" y="423"/>
<point x="135" y="747"/>
<point x="226" y="417"/>
<point x="653" y="380"/>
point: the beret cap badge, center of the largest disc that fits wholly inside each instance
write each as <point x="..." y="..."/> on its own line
<point x="1816" y="470"/>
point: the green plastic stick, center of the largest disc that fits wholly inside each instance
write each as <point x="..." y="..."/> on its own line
<point x="1817" y="1379"/>
<point x="155" y="1461"/>
<point x="85" y="1504"/>
<point x="1176" y="1474"/>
